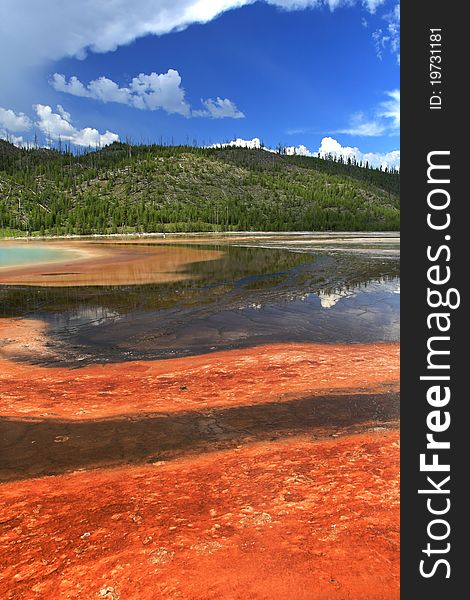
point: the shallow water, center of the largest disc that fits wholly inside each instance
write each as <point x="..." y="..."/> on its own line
<point x="250" y="296"/>
<point x="16" y="256"/>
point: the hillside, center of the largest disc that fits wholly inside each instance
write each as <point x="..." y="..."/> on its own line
<point x="124" y="188"/>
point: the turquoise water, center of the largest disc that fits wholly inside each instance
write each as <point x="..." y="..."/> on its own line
<point x="15" y="256"/>
<point x="248" y="297"/>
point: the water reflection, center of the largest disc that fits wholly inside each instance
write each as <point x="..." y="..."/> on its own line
<point x="248" y="296"/>
<point x="104" y="264"/>
<point x="329" y="298"/>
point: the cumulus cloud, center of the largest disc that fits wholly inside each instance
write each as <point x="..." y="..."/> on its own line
<point x="58" y="126"/>
<point x="328" y="147"/>
<point x="16" y="140"/>
<point x="55" y="29"/>
<point x="147" y="92"/>
<point x="159" y="91"/>
<point x="74" y="86"/>
<point x="299" y="150"/>
<point x="255" y="143"/>
<point x="331" y="147"/>
<point x="54" y="126"/>
<point x="221" y="108"/>
<point x="13" y="122"/>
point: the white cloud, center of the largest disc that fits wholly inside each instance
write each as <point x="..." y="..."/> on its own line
<point x="106" y="90"/>
<point x="257" y="144"/>
<point x="328" y="147"/>
<point x="55" y="126"/>
<point x="331" y="146"/>
<point x="330" y="299"/>
<point x="74" y="86"/>
<point x="241" y="143"/>
<point x="299" y="150"/>
<point x="147" y="92"/>
<point x="58" y="126"/>
<point x="364" y="128"/>
<point x="16" y="140"/>
<point x="390" y="109"/>
<point x="11" y="121"/>
<point x="386" y="119"/>
<point x="372" y="5"/>
<point x="160" y="91"/>
<point x="390" y="36"/>
<point x="369" y="5"/>
<point x="219" y="109"/>
<point x="63" y="113"/>
<point x="33" y="34"/>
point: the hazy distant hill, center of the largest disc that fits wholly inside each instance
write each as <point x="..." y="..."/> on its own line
<point x="125" y="188"/>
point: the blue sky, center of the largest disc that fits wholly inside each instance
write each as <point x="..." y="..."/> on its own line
<point x="308" y="74"/>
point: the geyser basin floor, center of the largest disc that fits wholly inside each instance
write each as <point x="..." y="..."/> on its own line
<point x="105" y="264"/>
<point x="295" y="519"/>
<point x="268" y="495"/>
<point x="242" y="377"/>
<point x="268" y="471"/>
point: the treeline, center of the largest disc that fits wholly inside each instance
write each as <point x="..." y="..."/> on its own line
<point x="153" y="188"/>
<point x="387" y="179"/>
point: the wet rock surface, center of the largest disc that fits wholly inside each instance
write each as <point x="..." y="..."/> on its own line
<point x="247" y="296"/>
<point x="297" y="519"/>
<point x="251" y="461"/>
<point x="31" y="448"/>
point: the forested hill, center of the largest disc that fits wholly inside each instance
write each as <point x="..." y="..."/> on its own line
<point x="124" y="189"/>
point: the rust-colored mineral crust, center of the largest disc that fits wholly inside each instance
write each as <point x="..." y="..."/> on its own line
<point x="274" y="372"/>
<point x="255" y="474"/>
<point x="296" y="519"/>
<point x="106" y="264"/>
